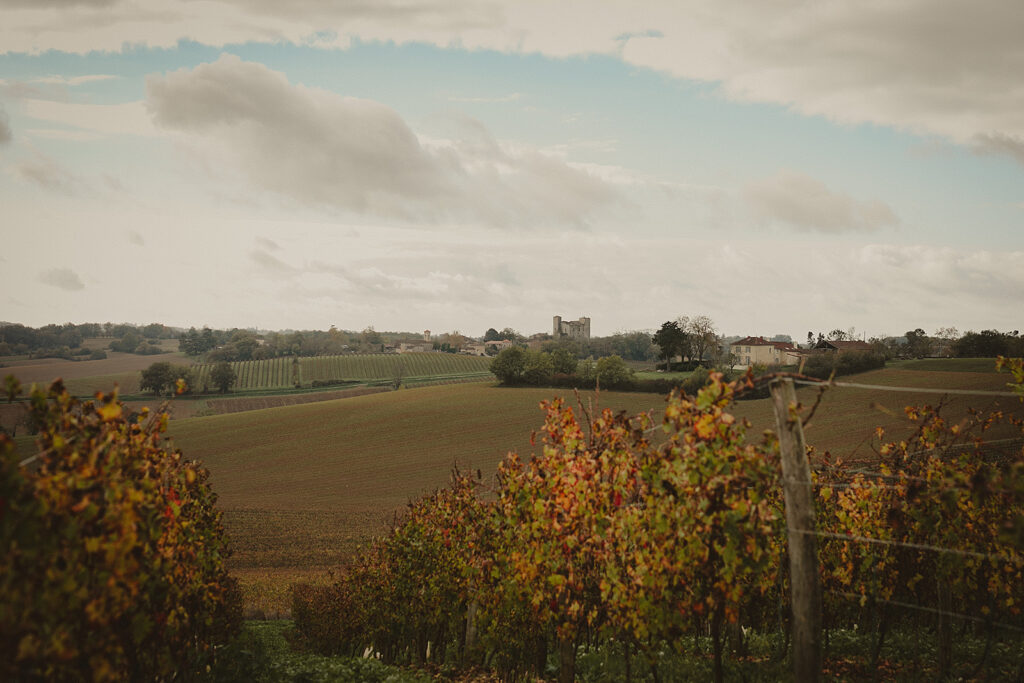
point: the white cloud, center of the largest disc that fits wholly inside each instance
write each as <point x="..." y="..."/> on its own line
<point x="808" y="205"/>
<point x="358" y="155"/>
<point x="73" y="80"/>
<point x="62" y="278"/>
<point x="998" y="143"/>
<point x="950" y="69"/>
<point x="128" y="118"/>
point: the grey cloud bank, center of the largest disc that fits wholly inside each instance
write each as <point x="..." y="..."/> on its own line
<point x="947" y="69"/>
<point x="807" y="204"/>
<point x="358" y="155"/>
<point x="62" y="278"/>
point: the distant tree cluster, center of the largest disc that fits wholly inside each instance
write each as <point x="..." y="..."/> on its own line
<point x="50" y="341"/>
<point x="691" y="339"/>
<point x="516" y="365"/>
<point x="988" y="344"/>
<point x="238" y="344"/>
<point x="65" y="341"/>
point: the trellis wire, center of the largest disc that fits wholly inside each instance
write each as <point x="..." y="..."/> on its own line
<point x="902" y="544"/>
<point x="930" y="610"/>
<point x="916" y="390"/>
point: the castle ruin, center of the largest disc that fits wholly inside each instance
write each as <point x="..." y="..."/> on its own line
<point x="571" y="329"/>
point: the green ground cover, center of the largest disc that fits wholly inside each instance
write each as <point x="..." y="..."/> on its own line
<point x="263" y="653"/>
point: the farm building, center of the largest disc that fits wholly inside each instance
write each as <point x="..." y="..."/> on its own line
<point x="842" y="346"/>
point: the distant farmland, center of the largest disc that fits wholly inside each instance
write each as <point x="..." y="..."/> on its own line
<point x="284" y="373"/>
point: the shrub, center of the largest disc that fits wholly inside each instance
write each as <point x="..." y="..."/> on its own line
<point x="113" y="552"/>
<point x="331" y="382"/>
<point x="612" y="371"/>
<point x="821" y="365"/>
<point x="162" y="376"/>
<point x="538" y="368"/>
<point x="509" y="365"/>
<point x="97" y="354"/>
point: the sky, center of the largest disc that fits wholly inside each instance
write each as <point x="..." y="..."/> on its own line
<point x="782" y="167"/>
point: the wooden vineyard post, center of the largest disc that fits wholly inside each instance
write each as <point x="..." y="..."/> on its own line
<point x="805" y="587"/>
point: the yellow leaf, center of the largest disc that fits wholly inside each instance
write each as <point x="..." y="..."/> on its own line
<point x="110" y="411"/>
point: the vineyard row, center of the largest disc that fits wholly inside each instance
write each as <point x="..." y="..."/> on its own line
<point x="283" y="373"/>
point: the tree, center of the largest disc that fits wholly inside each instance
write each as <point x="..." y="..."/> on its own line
<point x="984" y="344"/>
<point x="918" y="343"/>
<point x="839" y="335"/>
<point x="670" y="339"/>
<point x="702" y="335"/>
<point x="612" y="371"/>
<point x="162" y="376"/>
<point x="126" y="344"/>
<point x="538" y="367"/>
<point x="510" y="334"/>
<point x="154" y="331"/>
<point x="492" y="335"/>
<point x="509" y="365"/>
<point x="223" y="376"/>
<point x="564" y="361"/>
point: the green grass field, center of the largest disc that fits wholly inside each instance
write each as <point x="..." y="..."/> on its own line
<point x="283" y="373"/>
<point x="651" y="374"/>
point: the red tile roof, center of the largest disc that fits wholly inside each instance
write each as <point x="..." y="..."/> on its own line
<point x="761" y="341"/>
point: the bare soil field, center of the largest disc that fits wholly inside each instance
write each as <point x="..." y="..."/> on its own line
<point x="368" y="453"/>
<point x="845" y="421"/>
<point x="45" y="370"/>
<point x="223" y="406"/>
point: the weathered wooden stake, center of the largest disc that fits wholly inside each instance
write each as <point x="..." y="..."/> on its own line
<point x="805" y="588"/>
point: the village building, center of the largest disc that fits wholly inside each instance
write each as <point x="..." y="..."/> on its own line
<point x="474" y="349"/>
<point x="414" y="347"/>
<point x="759" y="351"/>
<point x="500" y="344"/>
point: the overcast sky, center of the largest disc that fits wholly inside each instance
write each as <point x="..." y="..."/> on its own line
<point x="779" y="166"/>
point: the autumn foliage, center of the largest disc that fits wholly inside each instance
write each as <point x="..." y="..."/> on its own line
<point x="641" y="545"/>
<point x="113" y="550"/>
<point x="600" y="536"/>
